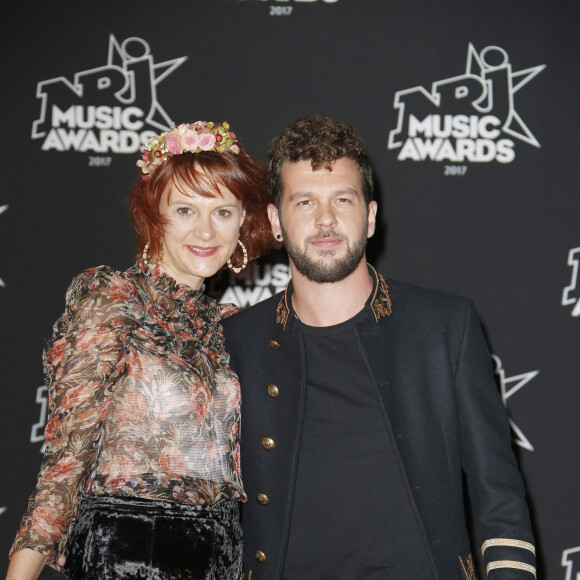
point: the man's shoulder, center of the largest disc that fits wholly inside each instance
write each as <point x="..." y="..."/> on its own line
<point x="410" y="298"/>
<point x="406" y="290"/>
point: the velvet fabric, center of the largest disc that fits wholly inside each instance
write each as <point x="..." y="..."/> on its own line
<point x="126" y="538"/>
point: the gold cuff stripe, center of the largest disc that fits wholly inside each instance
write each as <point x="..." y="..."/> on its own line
<point x="507" y="542"/>
<point x="510" y="564"/>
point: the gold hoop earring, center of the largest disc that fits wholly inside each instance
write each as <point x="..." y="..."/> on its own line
<point x="238" y="269"/>
<point x="145" y="257"/>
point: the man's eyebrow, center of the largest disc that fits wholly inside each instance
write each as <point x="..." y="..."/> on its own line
<point x="302" y="194"/>
<point x="299" y="195"/>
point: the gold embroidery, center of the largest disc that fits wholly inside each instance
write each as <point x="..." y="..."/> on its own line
<point x="282" y="310"/>
<point x="381" y="300"/>
<point x="470" y="570"/>
<point x="509" y="543"/>
<point x="510" y="564"/>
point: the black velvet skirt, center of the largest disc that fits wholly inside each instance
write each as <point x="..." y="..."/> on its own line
<point x="138" y="538"/>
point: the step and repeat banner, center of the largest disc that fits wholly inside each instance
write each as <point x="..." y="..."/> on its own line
<point x="471" y="116"/>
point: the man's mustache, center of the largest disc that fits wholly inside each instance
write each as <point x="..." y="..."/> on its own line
<point x="325" y="234"/>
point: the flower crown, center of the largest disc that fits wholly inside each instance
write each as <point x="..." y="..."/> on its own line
<point x="194" y="138"/>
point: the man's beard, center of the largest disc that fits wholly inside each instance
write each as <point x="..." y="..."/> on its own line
<point x="332" y="271"/>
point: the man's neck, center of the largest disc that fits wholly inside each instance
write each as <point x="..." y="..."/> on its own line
<point x="331" y="303"/>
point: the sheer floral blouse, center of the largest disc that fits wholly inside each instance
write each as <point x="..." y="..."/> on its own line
<point x="142" y="402"/>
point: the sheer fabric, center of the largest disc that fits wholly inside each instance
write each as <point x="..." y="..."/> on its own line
<point x="142" y="402"/>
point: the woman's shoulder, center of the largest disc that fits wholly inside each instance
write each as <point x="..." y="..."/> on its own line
<point x="102" y="285"/>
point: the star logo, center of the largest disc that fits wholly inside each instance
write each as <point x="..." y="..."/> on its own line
<point x="3" y="208"/>
<point x="509" y="386"/>
<point x="485" y="66"/>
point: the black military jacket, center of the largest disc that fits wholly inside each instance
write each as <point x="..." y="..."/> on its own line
<point x="432" y="368"/>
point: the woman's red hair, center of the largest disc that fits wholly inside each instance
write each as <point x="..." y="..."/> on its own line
<point x="205" y="173"/>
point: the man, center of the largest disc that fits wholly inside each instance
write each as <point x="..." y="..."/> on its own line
<point x="365" y="400"/>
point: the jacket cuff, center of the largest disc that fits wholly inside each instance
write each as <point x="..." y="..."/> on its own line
<point x="508" y="554"/>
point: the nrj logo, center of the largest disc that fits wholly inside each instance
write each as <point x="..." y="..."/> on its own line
<point x="469" y="117"/>
<point x="111" y="108"/>
<point x="571" y="293"/>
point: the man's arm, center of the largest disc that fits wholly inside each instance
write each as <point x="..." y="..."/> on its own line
<point x="495" y="487"/>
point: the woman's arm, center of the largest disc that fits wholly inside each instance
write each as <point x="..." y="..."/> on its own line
<point x="26" y="564"/>
<point x="82" y="364"/>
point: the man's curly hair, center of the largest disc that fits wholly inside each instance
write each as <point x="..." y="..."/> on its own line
<point x="321" y="140"/>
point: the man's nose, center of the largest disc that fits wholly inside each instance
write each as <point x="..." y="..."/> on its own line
<point x="325" y="216"/>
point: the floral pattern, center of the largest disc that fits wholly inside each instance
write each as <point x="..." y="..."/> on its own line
<point x="142" y="401"/>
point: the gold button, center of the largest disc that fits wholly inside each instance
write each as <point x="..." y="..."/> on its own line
<point x="262" y="499"/>
<point x="273" y="391"/>
<point x="268" y="443"/>
<point x="275" y="345"/>
<point x="260" y="556"/>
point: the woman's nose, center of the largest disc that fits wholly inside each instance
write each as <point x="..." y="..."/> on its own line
<point x="204" y="228"/>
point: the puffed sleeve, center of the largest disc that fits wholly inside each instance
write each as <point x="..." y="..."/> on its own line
<point x="82" y="361"/>
<point x="496" y="490"/>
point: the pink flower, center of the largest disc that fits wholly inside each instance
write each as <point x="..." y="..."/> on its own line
<point x="231" y="391"/>
<point x="52" y="428"/>
<point x="211" y="449"/>
<point x="119" y="470"/>
<point x="75" y="396"/>
<point x="63" y="470"/>
<point x="122" y="289"/>
<point x="199" y="399"/>
<point x="173" y="143"/>
<point x="171" y="461"/>
<point x="206" y="142"/>
<point x="190" y="141"/>
<point x="90" y="339"/>
<point x="48" y="523"/>
<point x="236" y="459"/>
<point x="132" y="408"/>
<point x="56" y="352"/>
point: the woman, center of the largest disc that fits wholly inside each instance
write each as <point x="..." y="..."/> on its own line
<point x="143" y="437"/>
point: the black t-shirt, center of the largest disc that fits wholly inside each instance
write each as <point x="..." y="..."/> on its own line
<point x="352" y="517"/>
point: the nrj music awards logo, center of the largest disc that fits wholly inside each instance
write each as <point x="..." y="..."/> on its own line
<point x="110" y="108"/>
<point x="571" y="293"/>
<point x="471" y="117"/>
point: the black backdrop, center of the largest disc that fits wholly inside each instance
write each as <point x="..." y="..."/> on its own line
<point x="470" y="113"/>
